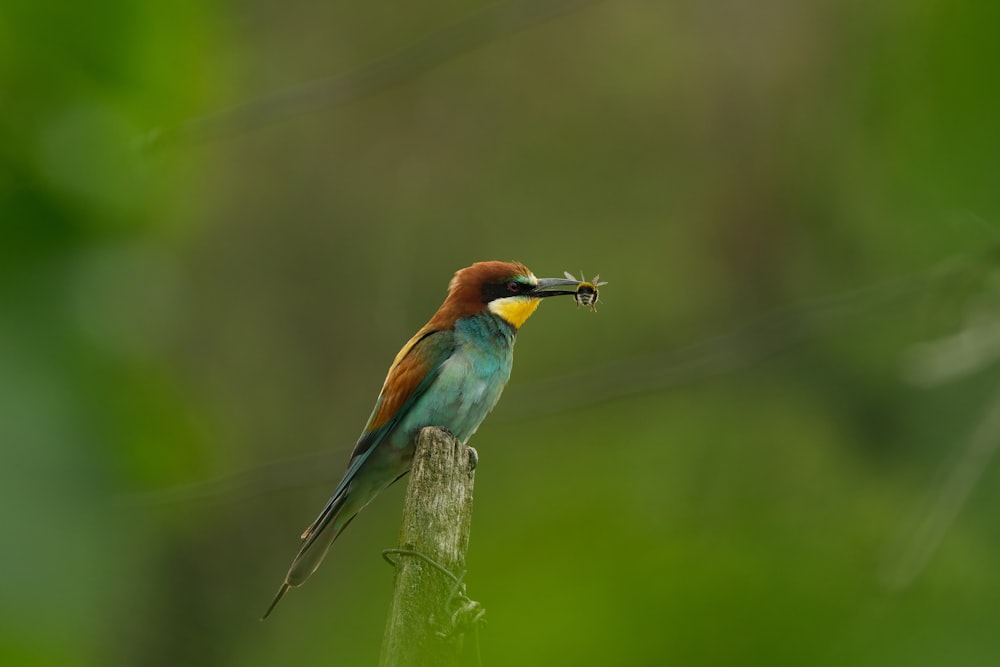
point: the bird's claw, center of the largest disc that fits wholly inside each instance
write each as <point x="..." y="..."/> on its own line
<point x="473" y="459"/>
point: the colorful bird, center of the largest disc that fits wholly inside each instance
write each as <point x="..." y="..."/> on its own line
<point x="450" y="374"/>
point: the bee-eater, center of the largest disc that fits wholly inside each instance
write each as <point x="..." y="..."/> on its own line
<point x="450" y="374"/>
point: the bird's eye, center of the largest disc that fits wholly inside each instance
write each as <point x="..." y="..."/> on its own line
<point x="513" y="287"/>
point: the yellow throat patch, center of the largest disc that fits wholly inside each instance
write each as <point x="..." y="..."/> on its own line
<point x="514" y="309"/>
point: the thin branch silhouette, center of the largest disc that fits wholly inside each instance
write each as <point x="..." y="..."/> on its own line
<point x="486" y="26"/>
<point x="756" y="341"/>
<point x="753" y="343"/>
<point x="906" y="565"/>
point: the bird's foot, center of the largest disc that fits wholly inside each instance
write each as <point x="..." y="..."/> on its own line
<point x="473" y="458"/>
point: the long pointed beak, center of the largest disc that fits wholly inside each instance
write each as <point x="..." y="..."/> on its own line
<point x="554" y="287"/>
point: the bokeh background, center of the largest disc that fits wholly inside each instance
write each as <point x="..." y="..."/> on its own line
<point x="774" y="444"/>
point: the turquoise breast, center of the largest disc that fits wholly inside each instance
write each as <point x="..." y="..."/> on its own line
<point x="470" y="381"/>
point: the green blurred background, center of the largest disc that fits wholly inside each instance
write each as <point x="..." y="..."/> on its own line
<point x="773" y="445"/>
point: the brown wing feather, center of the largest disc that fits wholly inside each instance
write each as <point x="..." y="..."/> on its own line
<point x="405" y="375"/>
<point x="421" y="354"/>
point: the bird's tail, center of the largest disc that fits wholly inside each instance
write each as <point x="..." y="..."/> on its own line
<point x="316" y="541"/>
<point x="277" y="598"/>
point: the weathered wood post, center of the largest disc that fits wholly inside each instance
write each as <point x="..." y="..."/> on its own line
<point x="437" y="518"/>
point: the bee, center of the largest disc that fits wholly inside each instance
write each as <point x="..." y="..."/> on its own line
<point x="586" y="292"/>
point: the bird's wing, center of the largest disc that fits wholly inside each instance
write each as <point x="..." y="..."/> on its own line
<point x="416" y="365"/>
<point x="414" y="369"/>
<point x="412" y="372"/>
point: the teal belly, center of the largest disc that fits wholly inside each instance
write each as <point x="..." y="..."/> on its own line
<point x="468" y="385"/>
<point x="470" y="381"/>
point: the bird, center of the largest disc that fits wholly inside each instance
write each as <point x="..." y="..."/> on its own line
<point x="450" y="374"/>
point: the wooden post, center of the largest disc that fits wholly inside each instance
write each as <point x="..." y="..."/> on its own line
<point x="437" y="518"/>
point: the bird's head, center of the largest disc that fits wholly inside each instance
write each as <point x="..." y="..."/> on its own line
<point x="509" y="290"/>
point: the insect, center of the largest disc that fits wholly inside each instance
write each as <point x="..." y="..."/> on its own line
<point x="586" y="292"/>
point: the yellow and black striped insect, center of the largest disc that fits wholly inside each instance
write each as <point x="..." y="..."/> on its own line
<point x="586" y="292"/>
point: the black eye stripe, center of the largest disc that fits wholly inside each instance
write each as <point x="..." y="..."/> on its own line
<point x="504" y="289"/>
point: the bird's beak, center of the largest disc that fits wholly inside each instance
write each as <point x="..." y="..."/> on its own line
<point x="554" y="287"/>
